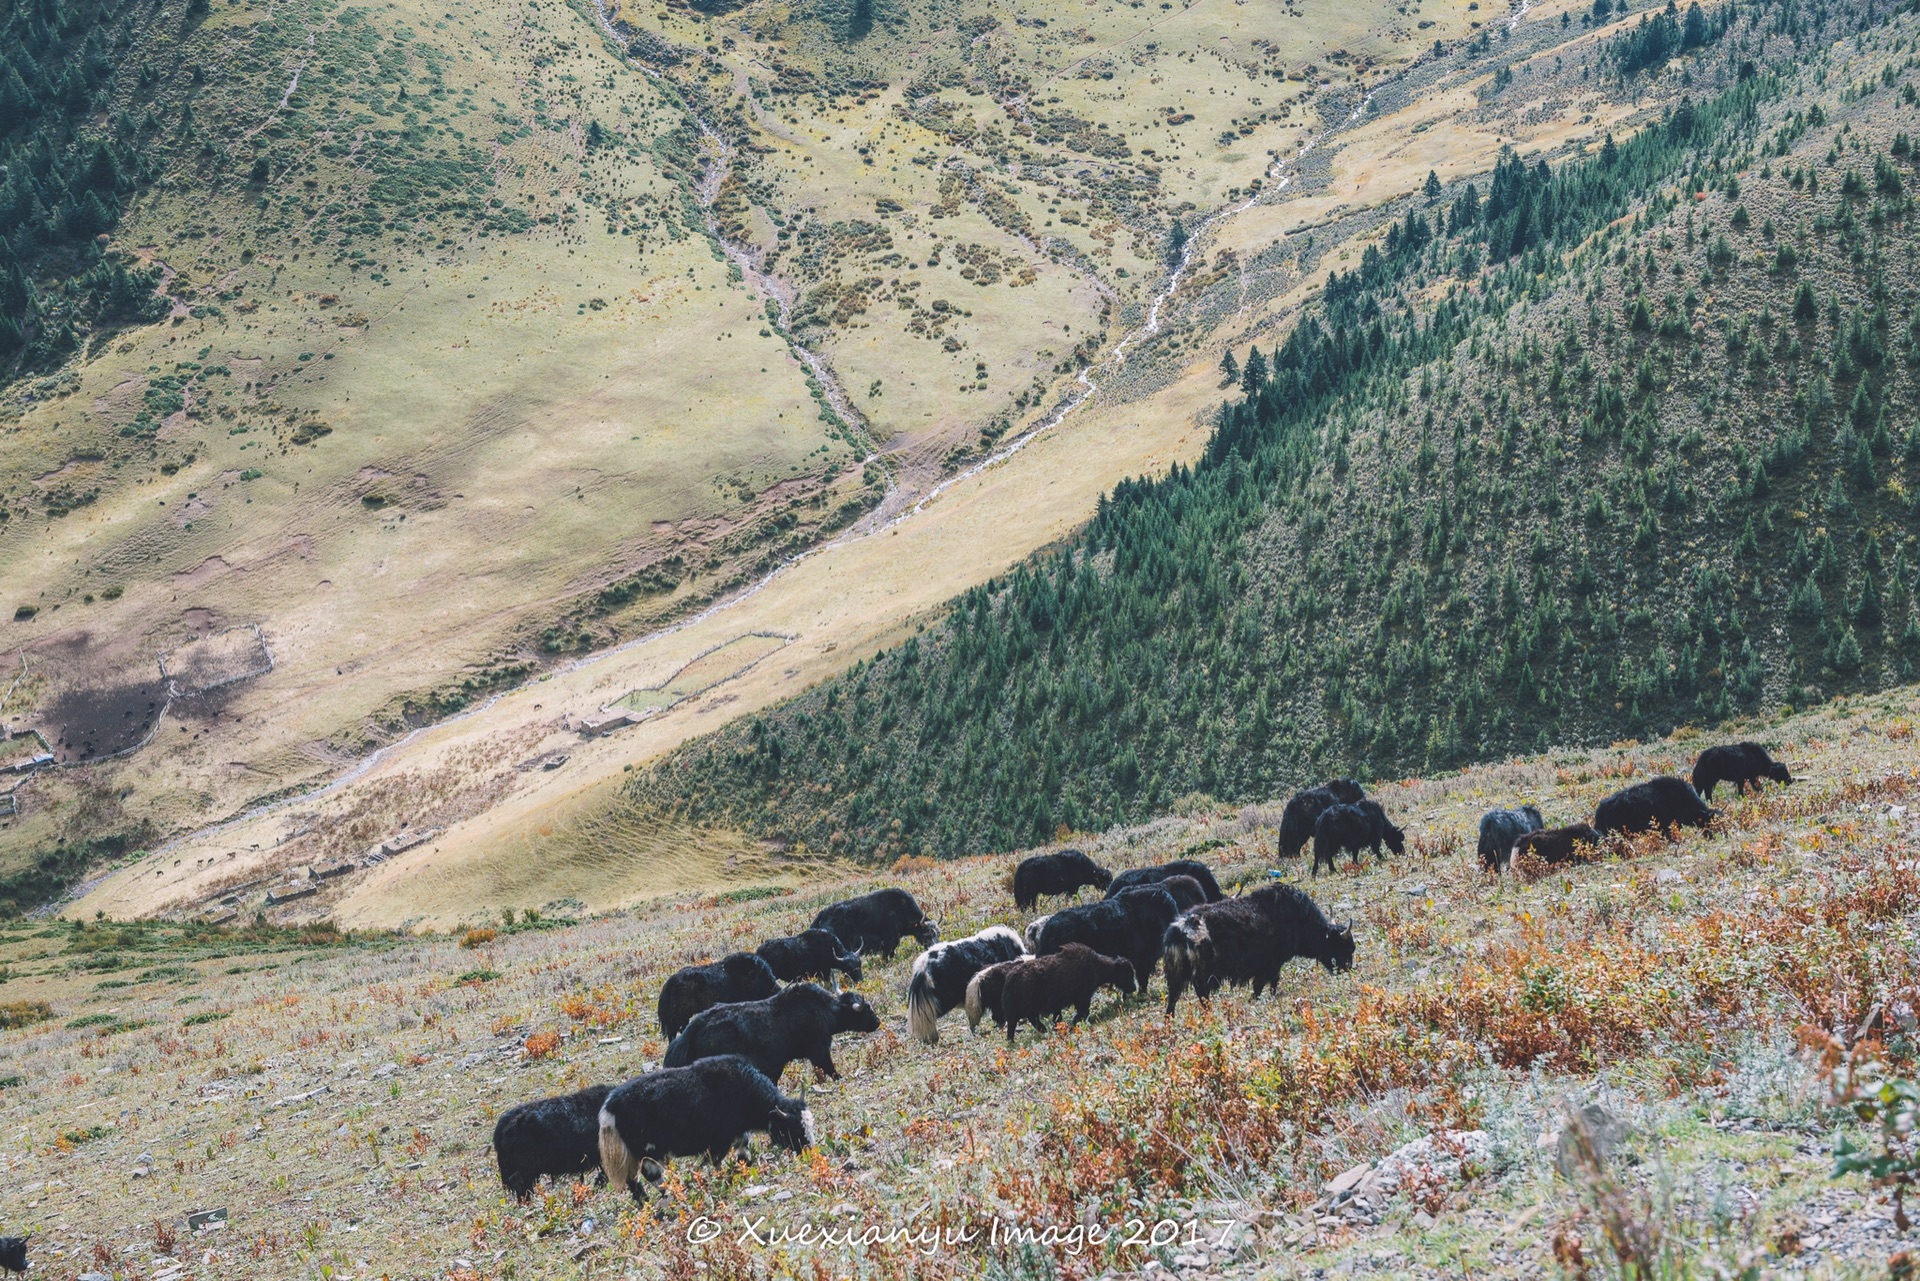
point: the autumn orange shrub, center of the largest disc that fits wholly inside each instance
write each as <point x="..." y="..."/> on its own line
<point x="478" y="937"/>
<point x="541" y="1044"/>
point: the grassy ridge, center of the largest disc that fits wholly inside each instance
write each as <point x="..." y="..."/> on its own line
<point x="1597" y="450"/>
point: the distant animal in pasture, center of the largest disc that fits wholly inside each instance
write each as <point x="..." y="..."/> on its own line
<point x="706" y="1108"/>
<point x="942" y="972"/>
<point x="1067" y="872"/>
<point x="1040" y="990"/>
<point x="1499" y="829"/>
<point x="1555" y="844"/>
<point x="1305" y="808"/>
<point x="1247" y="940"/>
<point x="810" y="954"/>
<point x="874" y="924"/>
<point x="1129" y="926"/>
<point x="798" y="1022"/>
<point x="1194" y="868"/>
<point x="1657" y="803"/>
<point x="1742" y="764"/>
<point x="553" y="1137"/>
<point x="1352" y="828"/>
<point x="740" y="976"/>
<point x="985" y="989"/>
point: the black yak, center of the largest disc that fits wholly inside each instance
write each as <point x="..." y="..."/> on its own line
<point x="1657" y="803"/>
<point x="1187" y="892"/>
<point x="1352" y="828"/>
<point x="1742" y="764"/>
<point x="13" y="1254"/>
<point x="1555" y="844"/>
<point x="810" y="954"/>
<point x="741" y="976"/>
<point x="1499" y="829"/>
<point x="876" y="922"/>
<point x="1037" y="991"/>
<point x="941" y="973"/>
<point x="555" y="1137"/>
<point x="1154" y="875"/>
<point x="1304" y="810"/>
<point x="798" y="1022"/>
<point x="1067" y="872"/>
<point x="985" y="989"/>
<point x="1129" y="926"/>
<point x="1247" y="940"/>
<point x="705" y="1107"/>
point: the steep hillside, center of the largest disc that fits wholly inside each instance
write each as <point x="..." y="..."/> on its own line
<point x="1568" y="452"/>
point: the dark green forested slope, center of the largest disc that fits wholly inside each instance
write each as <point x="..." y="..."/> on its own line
<point x="1579" y="453"/>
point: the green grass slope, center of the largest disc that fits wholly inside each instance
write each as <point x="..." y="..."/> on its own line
<point x="1569" y="453"/>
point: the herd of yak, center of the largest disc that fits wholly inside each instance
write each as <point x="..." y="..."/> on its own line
<point x="732" y="1028"/>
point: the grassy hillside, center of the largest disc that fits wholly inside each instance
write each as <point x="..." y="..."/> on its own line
<point x="335" y="1094"/>
<point x="1569" y="452"/>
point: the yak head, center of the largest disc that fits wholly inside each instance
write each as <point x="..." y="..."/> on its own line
<point x="927" y="933"/>
<point x="849" y="962"/>
<point x="1339" y="954"/>
<point x="853" y="1013"/>
<point x="1396" y="839"/>
<point x="791" y="1128"/>
<point x="1122" y="977"/>
<point x="1778" y="773"/>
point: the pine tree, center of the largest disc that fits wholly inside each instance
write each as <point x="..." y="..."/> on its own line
<point x="1432" y="186"/>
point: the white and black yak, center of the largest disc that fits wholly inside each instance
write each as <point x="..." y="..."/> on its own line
<point x="1140" y="876"/>
<point x="985" y="989"/>
<point x="1067" y="872"/>
<point x="704" y="1108"/>
<point x="798" y="1022"/>
<point x="875" y="923"/>
<point x="810" y="954"/>
<point x="1661" y="803"/>
<point x="1499" y="829"/>
<point x="1129" y="926"/>
<point x="1306" y="807"/>
<point x="1247" y="940"/>
<point x="741" y="976"/>
<point x="1031" y="935"/>
<point x="1556" y="844"/>
<point x="1742" y="764"/>
<point x="1351" y="828"/>
<point x="941" y="973"/>
<point x="1040" y="990"/>
<point x="553" y="1137"/>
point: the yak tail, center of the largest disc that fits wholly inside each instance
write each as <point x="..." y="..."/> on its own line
<point x="976" y="1002"/>
<point x="616" y="1160"/>
<point x="923" y="1007"/>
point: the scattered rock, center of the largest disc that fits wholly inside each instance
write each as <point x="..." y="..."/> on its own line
<point x="207" y="1220"/>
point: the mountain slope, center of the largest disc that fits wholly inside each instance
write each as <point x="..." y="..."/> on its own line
<point x="1584" y="452"/>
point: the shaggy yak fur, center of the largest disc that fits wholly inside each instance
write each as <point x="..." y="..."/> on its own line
<point x="984" y="991"/>
<point x="1352" y="828"/>
<point x="876" y="922"/>
<point x="741" y="976"/>
<point x="707" y="1107"/>
<point x="1499" y="829"/>
<point x="810" y="954"/>
<point x="798" y="1022"/>
<point x="1742" y="764"/>
<point x="1139" y="876"/>
<point x="1187" y="892"/>
<point x="942" y="972"/>
<point x="1031" y="935"/>
<point x="1129" y="926"/>
<point x="555" y="1137"/>
<point x="1246" y="941"/>
<point x="1304" y="810"/>
<point x="13" y="1254"/>
<point x="1037" y="991"/>
<point x="1657" y="803"/>
<point x="1555" y="844"/>
<point x="1067" y="872"/>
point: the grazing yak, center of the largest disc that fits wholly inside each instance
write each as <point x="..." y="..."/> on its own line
<point x="985" y="989"/>
<point x="705" y="1107"/>
<point x="877" y="922"/>
<point x="1499" y="829"/>
<point x="555" y="1137"/>
<point x="1187" y="892"/>
<point x="1742" y="764"/>
<point x="741" y="976"/>
<point x="1031" y="935"/>
<point x="798" y="1022"/>
<point x="1304" y="810"/>
<point x="1140" y="876"/>
<point x="1352" y="828"/>
<point x="1555" y="844"/>
<point x="1657" y="803"/>
<point x="1039" y="990"/>
<point x="1246" y="941"/>
<point x="1067" y="872"/>
<point x="13" y="1254"/>
<point x="942" y="972"/>
<point x="810" y="954"/>
<point x="1129" y="927"/>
